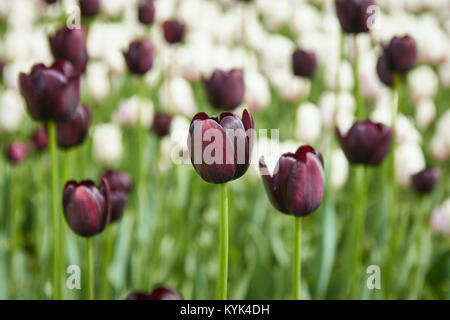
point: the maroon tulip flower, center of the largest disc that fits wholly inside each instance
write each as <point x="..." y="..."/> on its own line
<point x="39" y="139"/>
<point x="17" y="152"/>
<point x="225" y="90"/>
<point x="221" y="148"/>
<point x="51" y="93"/>
<point x="139" y="56"/>
<point x="401" y="54"/>
<point x="174" y="31"/>
<point x="70" y="44"/>
<point x="354" y="15"/>
<point x="120" y="186"/>
<point x="161" y="124"/>
<point x="50" y="1"/>
<point x="296" y="187"/>
<point x="304" y="63"/>
<point x="159" y="293"/>
<point x="366" y="142"/>
<point x="87" y="208"/>
<point x="89" y="8"/>
<point x="426" y="180"/>
<point x="73" y="132"/>
<point x="384" y="71"/>
<point x="146" y="12"/>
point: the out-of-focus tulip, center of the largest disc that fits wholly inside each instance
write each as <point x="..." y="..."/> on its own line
<point x="97" y="80"/>
<point x="366" y="142"/>
<point x="89" y="8"/>
<point x="174" y="31"/>
<point x="290" y="87"/>
<point x="146" y="12"/>
<point x="73" y="132"/>
<point x="120" y="186"/>
<point x="425" y="113"/>
<point x="257" y="90"/>
<point x="423" y="83"/>
<point x="51" y="93"/>
<point x="40" y="139"/>
<point x="11" y="110"/>
<point x="425" y="181"/>
<point x="296" y="187"/>
<point x="87" y="208"/>
<point x="384" y="71"/>
<point x="401" y="54"/>
<point x="17" y="152"/>
<point x="440" y="219"/>
<point x="161" y="124"/>
<point x="159" y="293"/>
<point x="70" y="44"/>
<point x="129" y="110"/>
<point x="354" y="15"/>
<point x="339" y="169"/>
<point x="107" y="143"/>
<point x="50" y="1"/>
<point x="139" y="56"/>
<point x="221" y="148"/>
<point x="304" y="63"/>
<point x="176" y="97"/>
<point x="409" y="160"/>
<point x="225" y="90"/>
<point x="308" y="123"/>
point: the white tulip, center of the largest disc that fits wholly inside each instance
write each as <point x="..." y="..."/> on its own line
<point x="339" y="169"/>
<point x="405" y="130"/>
<point x="257" y="90"/>
<point x="289" y="87"/>
<point x="409" y="160"/>
<point x="423" y="83"/>
<point x="439" y="148"/>
<point x="176" y="96"/>
<point x="425" y="113"/>
<point x="444" y="73"/>
<point x="130" y="109"/>
<point x="440" y="219"/>
<point x="107" y="143"/>
<point x="308" y="123"/>
<point x="11" y="110"/>
<point x="97" y="80"/>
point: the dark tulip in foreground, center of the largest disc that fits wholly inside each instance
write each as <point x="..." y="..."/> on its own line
<point x="425" y="181"/>
<point x="159" y="293"/>
<point x="174" y="31"/>
<point x="120" y="186"/>
<point x="225" y="89"/>
<point x="70" y="44"/>
<point x="146" y="12"/>
<point x="401" y="54"/>
<point x="354" y="15"/>
<point x="139" y="57"/>
<point x="73" y="132"/>
<point x="220" y="148"/>
<point x="304" y="63"/>
<point x="296" y="187"/>
<point x="87" y="208"/>
<point x="89" y="8"/>
<point x="51" y="93"/>
<point x="161" y="124"/>
<point x="366" y="142"/>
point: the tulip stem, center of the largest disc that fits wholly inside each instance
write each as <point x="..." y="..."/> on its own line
<point x="297" y="257"/>
<point x="89" y="270"/>
<point x="223" y="243"/>
<point x="360" y="108"/>
<point x="56" y="225"/>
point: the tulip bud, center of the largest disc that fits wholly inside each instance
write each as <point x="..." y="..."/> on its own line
<point x="159" y="293"/>
<point x="227" y="156"/>
<point x="304" y="63"/>
<point x="161" y="124"/>
<point x="40" y="139"/>
<point x="354" y="15"/>
<point x="89" y="8"/>
<point x="70" y="44"/>
<point x="51" y="93"/>
<point x="139" y="56"/>
<point x="401" y="54"/>
<point x="50" y="1"/>
<point x="120" y="186"/>
<point x="366" y="142"/>
<point x="425" y="181"/>
<point x="146" y="12"/>
<point x="296" y="187"/>
<point x="225" y="90"/>
<point x="174" y="31"/>
<point x="73" y="132"/>
<point x="16" y="152"/>
<point x="87" y="208"/>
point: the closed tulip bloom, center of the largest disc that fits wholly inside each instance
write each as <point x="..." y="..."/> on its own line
<point x="220" y="148"/>
<point x="354" y="15"/>
<point x="161" y="124"/>
<point x="139" y="57"/>
<point x="146" y="12"/>
<point x="174" y="31"/>
<point x="296" y="187"/>
<point x="51" y="93"/>
<point x="87" y="208"/>
<point x="304" y="63"/>
<point x="401" y="54"/>
<point x="73" y="132"/>
<point x="17" y="152"/>
<point x="120" y="186"/>
<point x="225" y="90"/>
<point x="425" y="181"/>
<point x="384" y="71"/>
<point x="39" y="139"/>
<point x="366" y="142"/>
<point x="70" y="44"/>
<point x="50" y="1"/>
<point x="89" y="8"/>
<point x="159" y="293"/>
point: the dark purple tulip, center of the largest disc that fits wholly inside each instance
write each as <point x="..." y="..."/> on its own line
<point x="2" y="66"/>
<point x="73" y="132"/>
<point x="87" y="208"/>
<point x="296" y="187"/>
<point x="17" y="152"/>
<point x="70" y="44"/>
<point x="161" y="124"/>
<point x="139" y="56"/>
<point x="384" y="71"/>
<point x="425" y="181"/>
<point x="89" y="8"/>
<point x="401" y="54"/>
<point x="354" y="15"/>
<point x="304" y="63"/>
<point x="174" y="31"/>
<point x="51" y="93"/>
<point x="120" y="186"/>
<point x="40" y="139"/>
<point x="159" y="293"/>
<point x="221" y="149"/>
<point x="146" y="12"/>
<point x="225" y="90"/>
<point x="50" y="1"/>
<point x="366" y="142"/>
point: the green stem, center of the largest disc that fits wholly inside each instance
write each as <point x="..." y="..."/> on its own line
<point x="297" y="276"/>
<point x="360" y="108"/>
<point x="223" y="244"/>
<point x="89" y="270"/>
<point x="108" y="243"/>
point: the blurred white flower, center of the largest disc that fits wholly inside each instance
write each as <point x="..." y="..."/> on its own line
<point x="306" y="18"/>
<point x="406" y="131"/>
<point x="423" y="83"/>
<point x="370" y="82"/>
<point x="346" y="79"/>
<point x="444" y="73"/>
<point x="276" y="53"/>
<point x="289" y="87"/>
<point x="425" y="113"/>
<point x="275" y="13"/>
<point x="327" y="106"/>
<point x="345" y="111"/>
<point x="339" y="169"/>
<point x="257" y="90"/>
<point x="116" y="7"/>
<point x="174" y="146"/>
<point x="130" y="109"/>
<point x="11" y="110"/>
<point x="308" y="123"/>
<point x="409" y="160"/>
<point x="97" y="80"/>
<point x="439" y="148"/>
<point x="440" y="219"/>
<point x="176" y="96"/>
<point x="107" y="143"/>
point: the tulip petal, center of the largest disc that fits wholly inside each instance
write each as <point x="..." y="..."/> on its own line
<point x="271" y="186"/>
